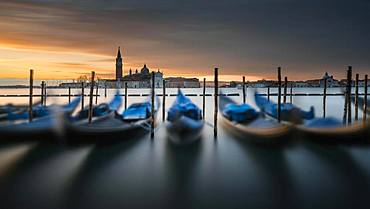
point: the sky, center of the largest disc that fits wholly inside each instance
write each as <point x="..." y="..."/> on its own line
<point x="66" y="39"/>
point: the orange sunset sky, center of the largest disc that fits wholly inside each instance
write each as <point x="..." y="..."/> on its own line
<point x="66" y="39"/>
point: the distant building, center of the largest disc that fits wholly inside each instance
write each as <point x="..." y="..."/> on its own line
<point x="73" y="85"/>
<point x="180" y="82"/>
<point x="143" y="79"/>
<point x="119" y="65"/>
<point x="140" y="79"/>
<point x="330" y="81"/>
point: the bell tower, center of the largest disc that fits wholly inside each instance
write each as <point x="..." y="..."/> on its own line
<point x="119" y="65"/>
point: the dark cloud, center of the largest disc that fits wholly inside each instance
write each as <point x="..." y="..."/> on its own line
<point x="305" y="37"/>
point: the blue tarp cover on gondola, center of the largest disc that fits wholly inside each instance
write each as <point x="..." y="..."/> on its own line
<point x="37" y="111"/>
<point x="286" y="109"/>
<point x="102" y="109"/>
<point x="239" y="113"/>
<point x="183" y="106"/>
<point x="137" y="111"/>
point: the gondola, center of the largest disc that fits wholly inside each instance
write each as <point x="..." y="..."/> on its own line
<point x="112" y="125"/>
<point x="332" y="130"/>
<point x="40" y="128"/>
<point x="245" y="122"/>
<point x="99" y="111"/>
<point x="325" y="130"/>
<point x="289" y="113"/>
<point x="11" y="112"/>
<point x="185" y="122"/>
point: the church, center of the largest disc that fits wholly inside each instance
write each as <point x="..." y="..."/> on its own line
<point x="135" y="79"/>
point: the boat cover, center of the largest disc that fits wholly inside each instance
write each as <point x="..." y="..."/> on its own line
<point x="137" y="111"/>
<point x="39" y="110"/>
<point x="239" y="113"/>
<point x="183" y="106"/>
<point x="287" y="109"/>
<point x="101" y="109"/>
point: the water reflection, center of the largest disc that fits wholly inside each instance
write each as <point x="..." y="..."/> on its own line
<point x="270" y="162"/>
<point x="11" y="154"/>
<point x="101" y="156"/>
<point x="182" y="162"/>
<point x="40" y="176"/>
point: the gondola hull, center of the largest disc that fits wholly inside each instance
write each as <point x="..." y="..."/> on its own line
<point x="43" y="129"/>
<point x="261" y="130"/>
<point x="354" y="133"/>
<point x="184" y="130"/>
<point x="104" y="129"/>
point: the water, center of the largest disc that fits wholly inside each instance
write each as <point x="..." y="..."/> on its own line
<point x="222" y="173"/>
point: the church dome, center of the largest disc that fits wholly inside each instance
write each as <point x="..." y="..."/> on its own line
<point x="145" y="70"/>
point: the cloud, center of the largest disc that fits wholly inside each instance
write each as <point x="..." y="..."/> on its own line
<point x="181" y="37"/>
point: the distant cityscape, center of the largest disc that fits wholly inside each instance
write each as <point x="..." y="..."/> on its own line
<point x="139" y="79"/>
<point x="142" y="79"/>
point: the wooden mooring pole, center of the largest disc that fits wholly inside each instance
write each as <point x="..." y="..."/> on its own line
<point x="291" y="93"/>
<point x="153" y="108"/>
<point x="204" y="99"/>
<point x="349" y="87"/>
<point x="279" y="95"/>
<point x="285" y="88"/>
<point x="42" y="92"/>
<point x="97" y="93"/>
<point x="356" y="97"/>
<point x="324" y="99"/>
<point x="82" y="95"/>
<point x="105" y="91"/>
<point x="45" y="94"/>
<point x="268" y="93"/>
<point x="345" y="107"/>
<point x="91" y="96"/>
<point x="243" y="89"/>
<point x="30" y="112"/>
<point x="69" y="95"/>
<point x="126" y="95"/>
<point x="365" y="100"/>
<point x="164" y="100"/>
<point x="216" y="103"/>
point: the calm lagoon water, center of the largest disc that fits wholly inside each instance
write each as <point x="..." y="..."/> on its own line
<point x="213" y="173"/>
